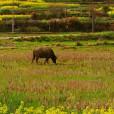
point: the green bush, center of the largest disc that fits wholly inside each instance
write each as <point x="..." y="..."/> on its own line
<point x="106" y="9"/>
<point x="32" y="29"/>
<point x="9" y="3"/>
<point x="0" y="19"/>
<point x="85" y="36"/>
<point x="111" y="14"/>
<point x="57" y="11"/>
<point x="5" y="10"/>
<point x="56" y="25"/>
<point x="17" y="17"/>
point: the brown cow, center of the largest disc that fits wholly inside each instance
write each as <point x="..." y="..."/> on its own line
<point x="43" y="52"/>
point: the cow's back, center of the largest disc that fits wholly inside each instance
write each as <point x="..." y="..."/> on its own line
<point x="43" y="52"/>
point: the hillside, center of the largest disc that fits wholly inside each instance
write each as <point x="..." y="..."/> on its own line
<point x="48" y="15"/>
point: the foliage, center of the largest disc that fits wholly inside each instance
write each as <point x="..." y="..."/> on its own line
<point x="111" y="14"/>
<point x="17" y="17"/>
<point x="106" y="9"/>
<point x="15" y="7"/>
<point x="34" y="4"/>
<point x="48" y="10"/>
<point x="100" y="14"/>
<point x="9" y="3"/>
<point x="63" y="24"/>
<point x="53" y="110"/>
<point x="34" y="16"/>
<point x="85" y="37"/>
<point x="0" y="19"/>
<point x="100" y="19"/>
<point x="57" y="25"/>
<point x="3" y="109"/>
<point x="36" y="1"/>
<point x="57" y="11"/>
<point x="88" y="110"/>
<point x="5" y="10"/>
<point x="77" y="24"/>
<point x="32" y="29"/>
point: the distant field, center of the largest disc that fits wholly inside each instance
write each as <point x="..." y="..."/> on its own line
<point x="83" y="75"/>
<point x="55" y="16"/>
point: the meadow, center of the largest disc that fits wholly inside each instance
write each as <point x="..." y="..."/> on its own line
<point x="83" y="76"/>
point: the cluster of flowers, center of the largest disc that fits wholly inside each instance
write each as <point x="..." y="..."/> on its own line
<point x="53" y="110"/>
<point x="33" y="3"/>
<point x="101" y="9"/>
<point x="17" y="17"/>
<point x="110" y="13"/>
<point x="88" y="110"/>
<point x="9" y="3"/>
<point x="10" y="7"/>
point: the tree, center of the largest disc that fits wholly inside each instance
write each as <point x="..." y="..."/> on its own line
<point x="91" y="8"/>
<point x="92" y="4"/>
<point x="13" y="23"/>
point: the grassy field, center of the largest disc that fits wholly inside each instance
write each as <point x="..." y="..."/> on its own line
<point x="83" y="75"/>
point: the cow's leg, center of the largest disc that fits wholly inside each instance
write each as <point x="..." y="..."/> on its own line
<point x="46" y="61"/>
<point x="33" y="58"/>
<point x="37" y="60"/>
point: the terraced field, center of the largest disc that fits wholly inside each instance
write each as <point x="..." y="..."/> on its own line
<point x="38" y="15"/>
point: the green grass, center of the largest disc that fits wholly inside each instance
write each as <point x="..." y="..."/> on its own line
<point x="9" y="34"/>
<point x="83" y="75"/>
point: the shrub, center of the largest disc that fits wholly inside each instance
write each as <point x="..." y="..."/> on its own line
<point x="0" y="19"/>
<point x="33" y="25"/>
<point x="57" y="11"/>
<point x="79" y="37"/>
<point x="111" y="14"/>
<point x="15" y="7"/>
<point x="56" y="25"/>
<point x="112" y="27"/>
<point x="35" y="5"/>
<point x="74" y="24"/>
<point x="65" y="24"/>
<point x="101" y="26"/>
<point x="98" y="13"/>
<point x="5" y="10"/>
<point x="84" y="19"/>
<point x="4" y="42"/>
<point x="73" y="5"/>
<point x="17" y="17"/>
<point x="36" y="1"/>
<point x="9" y="3"/>
<point x="34" y="16"/>
<point x="106" y="9"/>
<point x="100" y="19"/>
<point x="32" y="29"/>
